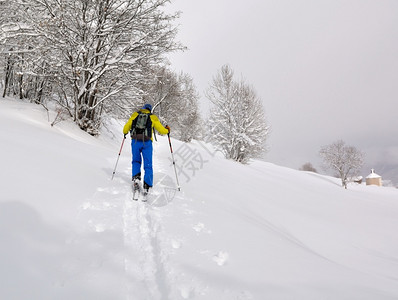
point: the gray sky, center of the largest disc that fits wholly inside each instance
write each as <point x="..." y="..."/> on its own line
<point x="325" y="69"/>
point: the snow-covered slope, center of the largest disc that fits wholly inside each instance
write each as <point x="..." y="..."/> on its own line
<point x="233" y="232"/>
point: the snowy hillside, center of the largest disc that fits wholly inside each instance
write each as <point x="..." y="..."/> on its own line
<point x="233" y="232"/>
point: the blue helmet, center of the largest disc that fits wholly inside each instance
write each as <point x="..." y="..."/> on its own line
<point x="147" y="106"/>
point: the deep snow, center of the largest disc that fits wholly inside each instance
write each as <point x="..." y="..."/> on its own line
<point x="235" y="231"/>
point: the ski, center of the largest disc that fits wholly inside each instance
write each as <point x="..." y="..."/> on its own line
<point x="136" y="190"/>
<point x="144" y="196"/>
<point x="139" y="193"/>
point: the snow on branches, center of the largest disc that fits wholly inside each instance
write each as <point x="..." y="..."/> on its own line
<point x="91" y="55"/>
<point x="237" y="125"/>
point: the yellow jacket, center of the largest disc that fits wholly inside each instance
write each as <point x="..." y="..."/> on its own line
<point x="155" y="123"/>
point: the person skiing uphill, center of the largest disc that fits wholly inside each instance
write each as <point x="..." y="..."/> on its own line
<point x="140" y="125"/>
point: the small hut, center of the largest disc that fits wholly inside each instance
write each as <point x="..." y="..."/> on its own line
<point x="373" y="179"/>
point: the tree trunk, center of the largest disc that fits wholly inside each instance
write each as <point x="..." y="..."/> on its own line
<point x="7" y="76"/>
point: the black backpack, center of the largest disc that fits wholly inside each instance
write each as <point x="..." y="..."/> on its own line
<point x="142" y="124"/>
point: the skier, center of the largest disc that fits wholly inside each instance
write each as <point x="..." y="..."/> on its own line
<point x="140" y="125"/>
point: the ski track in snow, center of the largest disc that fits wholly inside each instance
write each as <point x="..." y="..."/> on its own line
<point x="147" y="247"/>
<point x="144" y="258"/>
<point x="149" y="274"/>
<point x="112" y="208"/>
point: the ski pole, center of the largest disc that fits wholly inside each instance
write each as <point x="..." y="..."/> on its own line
<point x="174" y="162"/>
<point x="121" y="147"/>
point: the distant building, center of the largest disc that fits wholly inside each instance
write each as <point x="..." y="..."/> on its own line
<point x="373" y="179"/>
<point x="357" y="179"/>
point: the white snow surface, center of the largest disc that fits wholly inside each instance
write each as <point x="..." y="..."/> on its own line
<point x="257" y="231"/>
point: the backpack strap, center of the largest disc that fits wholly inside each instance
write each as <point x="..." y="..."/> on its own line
<point x="149" y="126"/>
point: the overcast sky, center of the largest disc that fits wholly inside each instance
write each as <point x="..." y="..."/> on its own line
<point x="325" y="69"/>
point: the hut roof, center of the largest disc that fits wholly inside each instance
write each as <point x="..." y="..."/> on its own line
<point x="373" y="174"/>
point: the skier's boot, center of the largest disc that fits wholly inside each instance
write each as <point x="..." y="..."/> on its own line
<point x="146" y="191"/>
<point x="136" y="177"/>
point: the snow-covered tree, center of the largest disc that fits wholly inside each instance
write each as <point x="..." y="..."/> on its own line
<point x="189" y="119"/>
<point x="96" y="52"/>
<point x="237" y="124"/>
<point x="175" y="101"/>
<point x="346" y="160"/>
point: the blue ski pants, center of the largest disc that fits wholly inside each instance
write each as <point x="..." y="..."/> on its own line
<point x="142" y="151"/>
